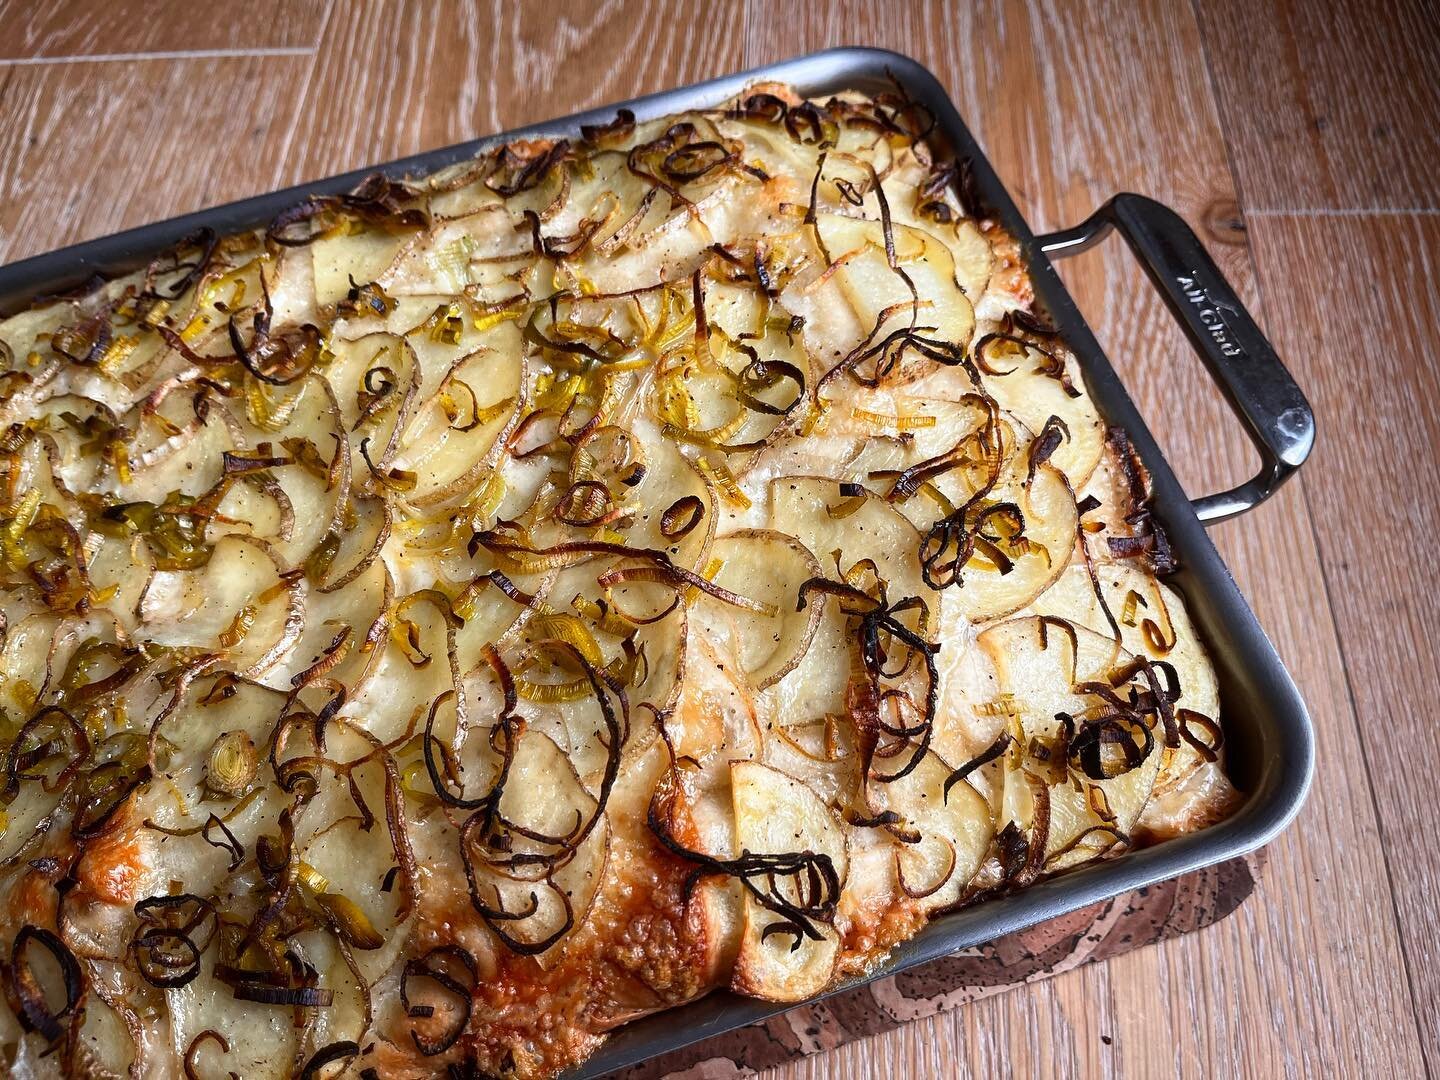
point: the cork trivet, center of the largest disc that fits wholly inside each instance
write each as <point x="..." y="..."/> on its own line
<point x="1130" y="921"/>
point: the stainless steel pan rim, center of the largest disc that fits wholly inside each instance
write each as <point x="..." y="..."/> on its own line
<point x="1270" y="739"/>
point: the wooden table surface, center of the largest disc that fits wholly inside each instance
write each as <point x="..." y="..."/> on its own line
<point x="1301" y="139"/>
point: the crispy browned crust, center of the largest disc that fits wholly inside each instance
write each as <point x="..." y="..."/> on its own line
<point x="644" y="948"/>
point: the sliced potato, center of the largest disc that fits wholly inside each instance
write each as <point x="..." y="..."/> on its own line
<point x="902" y="429"/>
<point x="714" y="719"/>
<point x="858" y="527"/>
<point x="29" y="330"/>
<point x="360" y="257"/>
<point x="986" y="589"/>
<point x="873" y="289"/>
<point x="450" y="256"/>
<point x="780" y="968"/>
<point x="544" y="796"/>
<point x="338" y="622"/>
<point x="1146" y="599"/>
<point x="1153" y="623"/>
<point x="815" y="688"/>
<point x="954" y="830"/>
<point x="745" y="391"/>
<point x="770" y="567"/>
<point x="869" y="529"/>
<point x="560" y="700"/>
<point x="669" y="483"/>
<point x="974" y="259"/>
<point x="454" y="441"/>
<point x="1048" y="506"/>
<point x="1034" y="397"/>
<point x="774" y="814"/>
<point x="1040" y="669"/>
<point x="238" y="591"/>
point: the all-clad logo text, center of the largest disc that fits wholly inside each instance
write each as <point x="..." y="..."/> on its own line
<point x="1212" y="314"/>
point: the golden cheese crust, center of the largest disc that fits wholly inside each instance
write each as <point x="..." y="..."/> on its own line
<point x="482" y="609"/>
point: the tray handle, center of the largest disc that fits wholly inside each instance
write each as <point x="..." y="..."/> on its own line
<point x="1261" y="391"/>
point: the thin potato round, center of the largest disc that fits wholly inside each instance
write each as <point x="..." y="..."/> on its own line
<point x="770" y="567"/>
<point x="1040" y="668"/>
<point x="954" y="828"/>
<point x="775" y="813"/>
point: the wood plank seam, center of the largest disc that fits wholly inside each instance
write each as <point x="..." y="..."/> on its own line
<point x="1325" y="577"/>
<point x="1369" y="774"/>
<point x="1346" y="212"/>
<point x="172" y="54"/>
<point x="281" y="159"/>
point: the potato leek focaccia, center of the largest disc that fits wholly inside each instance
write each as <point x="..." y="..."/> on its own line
<point x="480" y="610"/>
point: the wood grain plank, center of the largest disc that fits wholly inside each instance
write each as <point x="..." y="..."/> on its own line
<point x="92" y="148"/>
<point x="1073" y="103"/>
<point x="1376" y="510"/>
<point x="442" y="73"/>
<point x="1329" y="105"/>
<point x="1267" y="986"/>
<point x="36" y="29"/>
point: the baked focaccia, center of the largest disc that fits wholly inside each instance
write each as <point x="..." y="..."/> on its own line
<point x="484" y="608"/>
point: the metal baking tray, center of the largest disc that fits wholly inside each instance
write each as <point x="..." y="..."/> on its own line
<point x="1269" y="737"/>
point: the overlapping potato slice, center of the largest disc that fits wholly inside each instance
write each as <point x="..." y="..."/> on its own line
<point x="342" y="867"/>
<point x="662" y="504"/>
<point x="946" y="835"/>
<point x="22" y="331"/>
<point x="648" y="658"/>
<point x="343" y="259"/>
<point x="303" y="424"/>
<point x="1047" y="510"/>
<point x="1024" y="529"/>
<point x="1154" y="623"/>
<point x="331" y="642"/>
<point x="545" y="808"/>
<point x="1152" y="619"/>
<point x="866" y="286"/>
<point x="770" y="567"/>
<point x="232" y="290"/>
<point x="745" y="389"/>
<point x="455" y="439"/>
<point x="477" y="247"/>
<point x="859" y="527"/>
<point x="777" y="815"/>
<point x="376" y="379"/>
<point x="858" y="530"/>
<point x="41" y="652"/>
<point x="1015" y="374"/>
<point x="239" y="598"/>
<point x="259" y="1048"/>
<point x="973" y="489"/>
<point x="1040" y="669"/>
<point x="715" y="718"/>
<point x="974" y="258"/>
